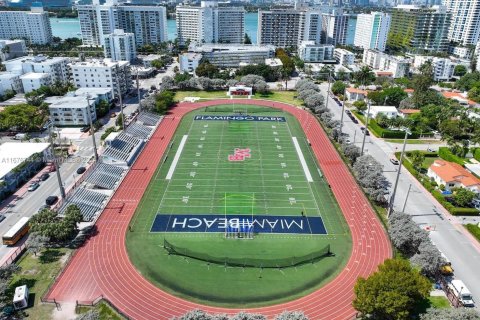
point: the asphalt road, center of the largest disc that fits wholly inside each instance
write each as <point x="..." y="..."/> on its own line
<point x="448" y="234"/>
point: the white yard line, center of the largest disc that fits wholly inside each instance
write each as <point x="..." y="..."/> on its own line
<point x="176" y="158"/>
<point x="302" y="160"/>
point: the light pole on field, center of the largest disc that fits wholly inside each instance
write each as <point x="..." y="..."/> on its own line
<point x="92" y="130"/>
<point x="392" y="198"/>
<point x="366" y="127"/>
<point x="55" y="162"/>
<point x="343" y="111"/>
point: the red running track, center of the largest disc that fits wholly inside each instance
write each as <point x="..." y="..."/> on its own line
<point x="102" y="266"/>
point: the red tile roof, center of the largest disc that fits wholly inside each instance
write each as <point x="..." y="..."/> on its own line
<point x="450" y="171"/>
<point x="409" y="111"/>
<point x="355" y="90"/>
<point x="457" y="96"/>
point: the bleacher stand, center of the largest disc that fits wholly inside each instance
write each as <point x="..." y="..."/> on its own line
<point x="105" y="176"/>
<point x="89" y="202"/>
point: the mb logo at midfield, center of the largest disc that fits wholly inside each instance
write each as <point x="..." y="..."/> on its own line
<point x="239" y="154"/>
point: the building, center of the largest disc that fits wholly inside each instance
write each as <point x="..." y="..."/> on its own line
<point x="419" y="29"/>
<point x="210" y="23"/>
<point x="443" y="68"/>
<point x="335" y="27"/>
<point x="388" y="111"/>
<point x="57" y="67"/>
<point x="232" y="56"/>
<point x="453" y="175"/>
<point x="34" y="26"/>
<point x="103" y="73"/>
<point x="47" y="4"/>
<point x="147" y="23"/>
<point x="72" y="110"/>
<point x="344" y="57"/>
<point x="462" y="52"/>
<point x="100" y="93"/>
<point x="355" y="94"/>
<point x="189" y="61"/>
<point x="120" y="46"/>
<point x="10" y="81"/>
<point x="33" y="81"/>
<point x="465" y="23"/>
<point x="461" y="98"/>
<point x="372" y="30"/>
<point x="396" y="67"/>
<point x="308" y="51"/>
<point x="280" y="28"/>
<point x="11" y="49"/>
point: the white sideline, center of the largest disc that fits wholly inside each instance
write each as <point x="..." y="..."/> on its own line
<point x="302" y="160"/>
<point x="175" y="159"/>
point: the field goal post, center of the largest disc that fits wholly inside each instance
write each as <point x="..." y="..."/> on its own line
<point x="238" y="204"/>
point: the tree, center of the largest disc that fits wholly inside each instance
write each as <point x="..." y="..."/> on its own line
<point x="468" y="81"/>
<point x="460" y="70"/>
<point x="90" y="315"/>
<point x="394" y="95"/>
<point x="248" y="316"/>
<point x="158" y="63"/>
<point x="205" y="83"/>
<point x="405" y="234"/>
<point x="417" y="158"/>
<point x="360" y="105"/>
<point x="450" y="314"/>
<point x="306" y="93"/>
<point x="474" y="94"/>
<point x="392" y="292"/>
<point x="307" y="86"/>
<point x="36" y="242"/>
<point x="102" y="108"/>
<point x="48" y="224"/>
<point x="463" y="197"/>
<point x="314" y="100"/>
<point x="164" y="101"/>
<point x="167" y="83"/>
<point x="422" y="82"/>
<point x="257" y="82"/>
<point x="370" y="177"/>
<point x="351" y="151"/>
<point x="338" y="87"/>
<point x="364" y="76"/>
<point x="22" y="117"/>
<point x="119" y="120"/>
<point x="291" y="315"/>
<point x="206" y="69"/>
<point x="247" y="39"/>
<point x="428" y="259"/>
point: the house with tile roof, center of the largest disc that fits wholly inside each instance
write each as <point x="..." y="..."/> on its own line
<point x="355" y="94"/>
<point x="453" y="175"/>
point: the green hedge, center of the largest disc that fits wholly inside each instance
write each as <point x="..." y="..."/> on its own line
<point x="474" y="230"/>
<point x="464" y="211"/>
<point x="476" y="154"/>
<point x="447" y="155"/>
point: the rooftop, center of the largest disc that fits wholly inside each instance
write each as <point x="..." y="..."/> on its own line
<point x="450" y="171"/>
<point x="274" y="62"/>
<point x="356" y="90"/>
<point x="35" y="75"/>
<point x="40" y="59"/>
<point x="226" y="47"/>
<point x="100" y="63"/>
<point x="8" y="75"/>
<point x="409" y="111"/>
<point x="67" y="102"/>
<point x="460" y="97"/>
<point x="14" y="153"/>
<point x="384" y="108"/>
<point x="92" y="91"/>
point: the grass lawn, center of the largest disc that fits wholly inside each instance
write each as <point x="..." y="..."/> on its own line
<point x="437" y="302"/>
<point x="105" y="311"/>
<point x="414" y="141"/>
<point x="37" y="273"/>
<point x="270" y="184"/>
<point x="281" y="96"/>
<point x="474" y="230"/>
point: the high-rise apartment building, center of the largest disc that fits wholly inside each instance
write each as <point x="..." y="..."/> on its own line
<point x="465" y="23"/>
<point x="419" y="29"/>
<point x="57" y="67"/>
<point x="147" y="23"/>
<point x="34" y="26"/>
<point x="120" y="45"/>
<point x="210" y="23"/>
<point x="335" y="27"/>
<point x="372" y="30"/>
<point x="281" y="28"/>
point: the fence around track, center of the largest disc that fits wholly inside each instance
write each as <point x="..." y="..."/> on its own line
<point x="102" y="266"/>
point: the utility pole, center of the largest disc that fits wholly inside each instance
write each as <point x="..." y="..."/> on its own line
<point x="343" y="111"/>
<point x="120" y="96"/>
<point x="138" y="93"/>
<point x="392" y="198"/>
<point x="366" y="127"/>
<point x="328" y="91"/>
<point x="55" y="162"/>
<point x="92" y="130"/>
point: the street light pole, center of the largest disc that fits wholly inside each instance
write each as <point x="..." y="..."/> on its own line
<point x="138" y="93"/>
<point x="366" y="127"/>
<point x="92" y="130"/>
<point x="392" y="198"/>
<point x="55" y="163"/>
<point x="120" y="96"/>
<point x="328" y="91"/>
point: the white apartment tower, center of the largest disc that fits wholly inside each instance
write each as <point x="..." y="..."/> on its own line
<point x="372" y="30"/>
<point x="334" y="27"/>
<point x="34" y="26"/>
<point x="281" y="28"/>
<point x="103" y="73"/>
<point x="147" y="23"/>
<point x="465" y="22"/>
<point x="120" y="45"/>
<point x="210" y="23"/>
<point x="57" y="67"/>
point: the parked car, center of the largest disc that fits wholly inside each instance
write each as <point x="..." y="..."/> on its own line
<point x="81" y="170"/>
<point x="2" y="217"/>
<point x="34" y="186"/>
<point x="45" y="206"/>
<point x="394" y="161"/>
<point x="348" y="112"/>
<point x="51" y="200"/>
<point x="354" y="120"/>
<point x="367" y="133"/>
<point x="44" y="176"/>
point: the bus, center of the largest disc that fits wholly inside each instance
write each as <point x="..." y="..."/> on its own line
<point x="16" y="232"/>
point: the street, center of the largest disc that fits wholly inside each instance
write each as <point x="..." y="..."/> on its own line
<point x="447" y="231"/>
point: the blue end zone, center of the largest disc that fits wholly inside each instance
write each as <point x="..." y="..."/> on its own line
<point x="216" y="223"/>
<point x="239" y="118"/>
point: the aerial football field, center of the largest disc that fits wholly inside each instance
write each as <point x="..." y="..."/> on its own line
<point x="238" y="213"/>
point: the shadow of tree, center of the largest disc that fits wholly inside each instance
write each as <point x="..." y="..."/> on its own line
<point x="50" y="255"/>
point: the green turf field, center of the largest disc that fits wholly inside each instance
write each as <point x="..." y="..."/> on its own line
<point x="271" y="182"/>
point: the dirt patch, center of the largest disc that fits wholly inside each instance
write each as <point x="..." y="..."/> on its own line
<point x="66" y="311"/>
